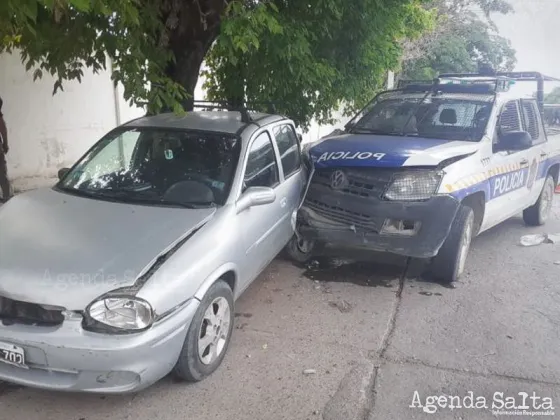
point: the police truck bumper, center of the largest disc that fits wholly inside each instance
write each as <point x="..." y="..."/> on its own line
<point x="412" y="229"/>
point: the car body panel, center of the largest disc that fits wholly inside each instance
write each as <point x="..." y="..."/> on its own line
<point x="167" y="256"/>
<point x="72" y="359"/>
<point x="63" y="250"/>
<point x="370" y="150"/>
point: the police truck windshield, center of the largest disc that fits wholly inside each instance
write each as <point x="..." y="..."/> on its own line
<point x="441" y="116"/>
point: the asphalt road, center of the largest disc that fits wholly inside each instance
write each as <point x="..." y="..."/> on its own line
<point x="346" y="341"/>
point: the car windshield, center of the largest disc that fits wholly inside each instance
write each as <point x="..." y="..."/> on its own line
<point x="441" y="115"/>
<point x="159" y="167"/>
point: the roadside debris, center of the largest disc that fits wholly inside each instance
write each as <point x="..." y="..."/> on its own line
<point x="554" y="238"/>
<point x="309" y="372"/>
<point x="534" y="240"/>
<point x="342" y="305"/>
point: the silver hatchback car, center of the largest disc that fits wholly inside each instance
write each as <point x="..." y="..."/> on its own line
<point x="129" y="267"/>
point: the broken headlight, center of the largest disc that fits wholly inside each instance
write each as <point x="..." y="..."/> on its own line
<point x="119" y="314"/>
<point x="413" y="186"/>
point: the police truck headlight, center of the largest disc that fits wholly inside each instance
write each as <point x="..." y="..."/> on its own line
<point x="413" y="186"/>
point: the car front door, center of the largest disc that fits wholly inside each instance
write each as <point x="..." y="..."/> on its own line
<point x="262" y="226"/>
<point x="293" y="175"/>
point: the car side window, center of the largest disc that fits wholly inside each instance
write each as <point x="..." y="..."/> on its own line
<point x="288" y="145"/>
<point x="531" y="120"/>
<point x="509" y="119"/>
<point x="262" y="168"/>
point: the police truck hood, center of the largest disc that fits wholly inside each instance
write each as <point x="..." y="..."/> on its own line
<point x="64" y="250"/>
<point x="372" y="150"/>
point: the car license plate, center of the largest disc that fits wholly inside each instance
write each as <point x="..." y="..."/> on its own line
<point x="12" y="355"/>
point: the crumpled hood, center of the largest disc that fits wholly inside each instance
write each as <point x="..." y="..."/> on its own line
<point x="63" y="250"/>
<point x="370" y="150"/>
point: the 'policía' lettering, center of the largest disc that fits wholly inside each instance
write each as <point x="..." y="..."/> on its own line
<point x="509" y="182"/>
<point x="350" y="156"/>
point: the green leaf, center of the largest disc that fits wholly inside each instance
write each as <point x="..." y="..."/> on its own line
<point x="81" y="5"/>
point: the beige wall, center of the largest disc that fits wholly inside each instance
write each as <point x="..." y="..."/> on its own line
<point x="48" y="132"/>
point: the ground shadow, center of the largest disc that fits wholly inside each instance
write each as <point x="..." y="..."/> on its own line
<point x="361" y="272"/>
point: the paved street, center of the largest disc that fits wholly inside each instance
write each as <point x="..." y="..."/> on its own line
<point x="355" y="341"/>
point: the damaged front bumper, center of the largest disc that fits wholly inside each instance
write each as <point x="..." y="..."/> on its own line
<point x="412" y="229"/>
<point x="69" y="358"/>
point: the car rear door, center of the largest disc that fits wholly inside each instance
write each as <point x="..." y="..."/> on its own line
<point x="262" y="226"/>
<point x="293" y="174"/>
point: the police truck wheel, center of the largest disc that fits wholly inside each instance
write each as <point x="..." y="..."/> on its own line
<point x="300" y="249"/>
<point x="448" y="265"/>
<point x="537" y="214"/>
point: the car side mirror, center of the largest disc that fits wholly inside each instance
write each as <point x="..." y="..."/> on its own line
<point x="255" y="196"/>
<point x="62" y="173"/>
<point x="515" y="140"/>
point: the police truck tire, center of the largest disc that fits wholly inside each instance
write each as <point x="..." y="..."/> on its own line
<point x="448" y="265"/>
<point x="537" y="214"/>
<point x="300" y="250"/>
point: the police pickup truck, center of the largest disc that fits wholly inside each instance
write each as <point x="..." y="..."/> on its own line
<point x="424" y="168"/>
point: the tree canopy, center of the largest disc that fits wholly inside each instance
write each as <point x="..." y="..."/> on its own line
<point x="307" y="57"/>
<point x="464" y="40"/>
<point x="553" y="97"/>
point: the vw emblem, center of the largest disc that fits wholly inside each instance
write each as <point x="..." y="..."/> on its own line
<point x="338" y="180"/>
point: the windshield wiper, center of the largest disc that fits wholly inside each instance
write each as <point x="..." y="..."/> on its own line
<point x="383" y="133"/>
<point x="136" y="197"/>
<point x="190" y="204"/>
<point x="364" y="130"/>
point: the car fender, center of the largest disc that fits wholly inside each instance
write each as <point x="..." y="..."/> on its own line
<point x="215" y="276"/>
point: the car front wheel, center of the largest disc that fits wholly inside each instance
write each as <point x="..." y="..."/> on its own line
<point x="209" y="335"/>
<point x="300" y="250"/>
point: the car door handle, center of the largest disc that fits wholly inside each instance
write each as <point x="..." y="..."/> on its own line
<point x="524" y="162"/>
<point x="283" y="202"/>
<point x="543" y="154"/>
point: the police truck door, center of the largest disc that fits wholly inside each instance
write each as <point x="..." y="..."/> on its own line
<point x="532" y="124"/>
<point x="507" y="171"/>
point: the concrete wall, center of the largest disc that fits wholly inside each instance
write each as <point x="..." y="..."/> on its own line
<point x="48" y="132"/>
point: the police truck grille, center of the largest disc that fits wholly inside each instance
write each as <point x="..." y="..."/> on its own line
<point x="361" y="222"/>
<point x="362" y="183"/>
<point x="366" y="182"/>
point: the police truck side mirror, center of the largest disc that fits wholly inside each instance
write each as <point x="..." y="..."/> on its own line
<point x="515" y="140"/>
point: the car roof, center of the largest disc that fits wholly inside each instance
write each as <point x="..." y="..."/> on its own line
<point x="215" y="121"/>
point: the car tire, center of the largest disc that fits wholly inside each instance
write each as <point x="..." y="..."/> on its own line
<point x="208" y="336"/>
<point x="448" y="265"/>
<point x="300" y="250"/>
<point x="537" y="214"/>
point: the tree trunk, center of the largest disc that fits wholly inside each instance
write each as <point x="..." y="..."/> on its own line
<point x="190" y="40"/>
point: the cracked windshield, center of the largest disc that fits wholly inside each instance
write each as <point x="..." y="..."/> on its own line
<point x="158" y="166"/>
<point x="279" y="209"/>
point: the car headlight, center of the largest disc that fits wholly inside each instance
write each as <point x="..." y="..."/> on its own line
<point x="414" y="186"/>
<point x="120" y="313"/>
